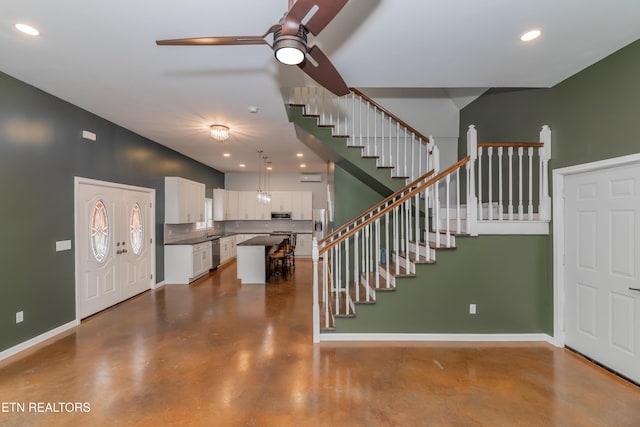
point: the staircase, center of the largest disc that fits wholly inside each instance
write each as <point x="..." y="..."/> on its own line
<point x="386" y="243"/>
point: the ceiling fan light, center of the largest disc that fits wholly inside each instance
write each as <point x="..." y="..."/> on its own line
<point x="219" y="132"/>
<point x="290" y="50"/>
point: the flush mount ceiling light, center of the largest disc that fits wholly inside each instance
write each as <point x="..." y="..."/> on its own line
<point x="219" y="132"/>
<point x="27" y="29"/>
<point x="530" y="35"/>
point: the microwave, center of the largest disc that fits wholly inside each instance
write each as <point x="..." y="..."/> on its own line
<point x="280" y="215"/>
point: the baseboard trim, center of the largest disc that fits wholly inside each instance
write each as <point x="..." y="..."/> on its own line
<point x="158" y="285"/>
<point x="37" y="340"/>
<point x="437" y="337"/>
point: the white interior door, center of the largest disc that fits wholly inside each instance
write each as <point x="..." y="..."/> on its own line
<point x="135" y="243"/>
<point x="602" y="237"/>
<point x="114" y="256"/>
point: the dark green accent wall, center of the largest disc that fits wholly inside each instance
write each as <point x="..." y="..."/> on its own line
<point x="41" y="151"/>
<point x="509" y="299"/>
<point x="593" y="115"/>
<point x="351" y="197"/>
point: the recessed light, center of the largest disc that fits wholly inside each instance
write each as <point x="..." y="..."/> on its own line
<point x="303" y="165"/>
<point x="27" y="29"/>
<point x="300" y="155"/>
<point x="241" y="165"/>
<point x="530" y="35"/>
<point x="269" y="168"/>
<point x="253" y="109"/>
<point x="226" y="155"/>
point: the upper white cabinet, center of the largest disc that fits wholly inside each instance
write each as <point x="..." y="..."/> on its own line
<point x="183" y="200"/>
<point x="225" y="205"/>
<point x="229" y="205"/>
<point x="281" y="201"/>
<point x="301" y="205"/>
<point x="250" y="208"/>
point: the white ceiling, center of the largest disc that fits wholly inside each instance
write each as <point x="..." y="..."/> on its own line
<point x="101" y="56"/>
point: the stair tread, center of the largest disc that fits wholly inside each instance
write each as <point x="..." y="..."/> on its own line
<point x="382" y="283"/>
<point x="362" y="288"/>
<point x="422" y="259"/>
<point x="344" y="301"/>
<point x="402" y="270"/>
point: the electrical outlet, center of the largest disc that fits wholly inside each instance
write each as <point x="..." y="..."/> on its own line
<point x="19" y="316"/>
<point x="472" y="309"/>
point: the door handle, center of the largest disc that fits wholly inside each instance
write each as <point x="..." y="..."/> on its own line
<point x="634" y="289"/>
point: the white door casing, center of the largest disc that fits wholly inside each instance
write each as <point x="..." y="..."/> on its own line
<point x="596" y="242"/>
<point x="125" y="236"/>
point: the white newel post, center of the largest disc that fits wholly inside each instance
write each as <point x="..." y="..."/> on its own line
<point x="545" y="200"/>
<point x="315" y="255"/>
<point x="472" y="200"/>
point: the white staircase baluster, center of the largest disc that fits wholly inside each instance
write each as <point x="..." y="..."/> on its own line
<point x="395" y="240"/>
<point x="480" y="202"/>
<point x="520" y="207"/>
<point x="490" y="178"/>
<point x="427" y="192"/>
<point x="407" y="228"/>
<point x="368" y="138"/>
<point x="377" y="254"/>
<point x="436" y="210"/>
<point x="325" y="286"/>
<point x="510" y="207"/>
<point x="500" y="212"/>
<point x="416" y="232"/>
<point x="448" y="208"/>
<point x="346" y="271"/>
<point x="458" y="219"/>
<point x="540" y="184"/>
<point x="396" y="164"/>
<point x="316" y="298"/>
<point x="387" y="261"/>
<point x="356" y="265"/>
<point x="530" y="205"/>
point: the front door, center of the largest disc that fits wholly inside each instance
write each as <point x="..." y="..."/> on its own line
<point x="602" y="260"/>
<point x="113" y="245"/>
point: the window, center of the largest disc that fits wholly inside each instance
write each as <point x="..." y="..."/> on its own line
<point x="100" y="230"/>
<point x="136" y="229"/>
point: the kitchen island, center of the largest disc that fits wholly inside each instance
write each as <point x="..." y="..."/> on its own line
<point x="252" y="258"/>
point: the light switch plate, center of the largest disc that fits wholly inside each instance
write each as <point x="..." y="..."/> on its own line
<point x="19" y="316"/>
<point x="63" y="245"/>
<point x="472" y="309"/>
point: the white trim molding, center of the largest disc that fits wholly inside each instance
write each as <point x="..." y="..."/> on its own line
<point x="38" y="339"/>
<point x="559" y="230"/>
<point x="436" y="337"/>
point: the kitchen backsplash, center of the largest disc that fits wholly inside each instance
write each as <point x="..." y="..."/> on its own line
<point x="178" y="232"/>
<point x="267" y="226"/>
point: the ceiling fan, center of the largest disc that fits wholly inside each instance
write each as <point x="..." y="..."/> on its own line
<point x="290" y="41"/>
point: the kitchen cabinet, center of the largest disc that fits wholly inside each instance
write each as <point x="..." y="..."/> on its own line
<point x="225" y="205"/>
<point x="250" y="208"/>
<point x="281" y="201"/>
<point x="183" y="201"/>
<point x="227" y="249"/>
<point x="301" y="205"/>
<point x="303" y="245"/>
<point x="185" y="263"/>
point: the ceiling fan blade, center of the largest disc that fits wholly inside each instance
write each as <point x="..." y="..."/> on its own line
<point x="213" y="41"/>
<point x="313" y="14"/>
<point x="319" y="68"/>
<point x="220" y="41"/>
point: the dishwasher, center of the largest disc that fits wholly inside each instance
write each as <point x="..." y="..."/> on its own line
<point x="215" y="253"/>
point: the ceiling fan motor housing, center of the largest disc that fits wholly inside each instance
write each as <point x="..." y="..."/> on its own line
<point x="297" y="42"/>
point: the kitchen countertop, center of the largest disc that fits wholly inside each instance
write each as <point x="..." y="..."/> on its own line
<point x="202" y="239"/>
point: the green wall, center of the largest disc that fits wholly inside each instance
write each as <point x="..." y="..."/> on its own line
<point x="41" y="151"/>
<point x="593" y="116"/>
<point x="351" y="197"/>
<point x="509" y="299"/>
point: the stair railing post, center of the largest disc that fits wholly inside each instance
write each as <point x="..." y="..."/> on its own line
<point x="315" y="255"/>
<point x="472" y="200"/>
<point x="545" y="137"/>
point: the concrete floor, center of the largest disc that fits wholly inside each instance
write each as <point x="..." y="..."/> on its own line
<point x="216" y="353"/>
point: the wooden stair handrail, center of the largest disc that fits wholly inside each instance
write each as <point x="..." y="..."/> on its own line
<point x="512" y="144"/>
<point x="390" y="114"/>
<point x="404" y="198"/>
<point x="376" y="206"/>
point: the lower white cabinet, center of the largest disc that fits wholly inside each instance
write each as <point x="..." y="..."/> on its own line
<point x="185" y="263"/>
<point x="303" y="245"/>
<point x="227" y="249"/>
